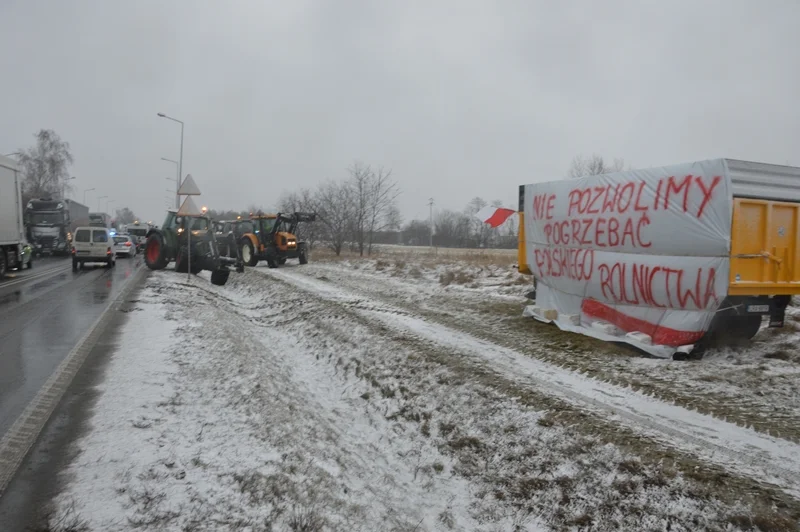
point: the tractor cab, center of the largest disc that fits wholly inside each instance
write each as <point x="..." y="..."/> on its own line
<point x="273" y="239"/>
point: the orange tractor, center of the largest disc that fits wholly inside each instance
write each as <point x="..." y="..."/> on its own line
<point x="273" y="239"/>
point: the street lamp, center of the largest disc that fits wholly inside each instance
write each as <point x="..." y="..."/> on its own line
<point x="84" y="194"/>
<point x="98" y="201"/>
<point x="178" y="181"/>
<point x="64" y="187"/>
<point x="180" y="160"/>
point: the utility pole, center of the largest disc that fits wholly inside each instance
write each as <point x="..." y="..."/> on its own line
<point x="430" y="204"/>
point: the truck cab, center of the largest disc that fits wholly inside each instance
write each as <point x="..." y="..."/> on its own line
<point x="48" y="226"/>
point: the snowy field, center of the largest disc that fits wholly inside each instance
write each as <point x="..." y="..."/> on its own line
<point x="407" y="393"/>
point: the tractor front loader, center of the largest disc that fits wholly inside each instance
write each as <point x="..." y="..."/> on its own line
<point x="274" y="239"/>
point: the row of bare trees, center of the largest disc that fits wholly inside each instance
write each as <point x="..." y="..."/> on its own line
<point x="352" y="211"/>
<point x="361" y="210"/>
<point x="459" y="229"/>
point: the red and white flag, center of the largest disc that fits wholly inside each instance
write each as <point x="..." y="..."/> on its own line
<point x="494" y="216"/>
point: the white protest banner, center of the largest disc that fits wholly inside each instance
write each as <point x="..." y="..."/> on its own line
<point x="644" y="250"/>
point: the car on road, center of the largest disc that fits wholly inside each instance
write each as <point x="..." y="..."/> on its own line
<point x="124" y="245"/>
<point x="93" y="244"/>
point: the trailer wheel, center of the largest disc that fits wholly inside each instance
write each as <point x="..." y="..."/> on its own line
<point x="220" y="277"/>
<point x="3" y="263"/>
<point x="155" y="252"/>
<point x="744" y="327"/>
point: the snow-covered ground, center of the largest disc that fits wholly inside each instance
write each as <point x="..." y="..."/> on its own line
<point x="408" y="393"/>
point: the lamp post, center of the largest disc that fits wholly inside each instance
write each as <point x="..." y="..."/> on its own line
<point x="177" y="180"/>
<point x="180" y="159"/>
<point x="98" y="201"/>
<point x="64" y="187"/>
<point x="84" y="194"/>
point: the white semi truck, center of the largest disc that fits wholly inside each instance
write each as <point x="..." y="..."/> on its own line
<point x="12" y="230"/>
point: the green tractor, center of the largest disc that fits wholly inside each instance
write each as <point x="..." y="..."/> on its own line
<point x="169" y="243"/>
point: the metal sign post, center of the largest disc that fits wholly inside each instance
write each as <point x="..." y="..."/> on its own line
<point x="188" y="210"/>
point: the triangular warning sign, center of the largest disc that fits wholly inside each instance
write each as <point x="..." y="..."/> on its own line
<point x="188" y="208"/>
<point x="188" y="187"/>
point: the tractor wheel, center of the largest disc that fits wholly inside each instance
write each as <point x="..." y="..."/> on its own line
<point x="303" y="256"/>
<point x="181" y="264"/>
<point x="248" y="253"/>
<point x="155" y="252"/>
<point x="220" y="277"/>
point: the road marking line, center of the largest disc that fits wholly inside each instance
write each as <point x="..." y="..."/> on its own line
<point x="25" y="278"/>
<point x="16" y="443"/>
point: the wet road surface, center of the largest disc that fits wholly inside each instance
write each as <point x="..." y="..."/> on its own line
<point x="44" y="312"/>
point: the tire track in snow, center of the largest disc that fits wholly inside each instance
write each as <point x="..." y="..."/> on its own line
<point x="737" y="449"/>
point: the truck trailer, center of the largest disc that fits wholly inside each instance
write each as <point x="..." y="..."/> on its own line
<point x="12" y="229"/>
<point x="670" y="259"/>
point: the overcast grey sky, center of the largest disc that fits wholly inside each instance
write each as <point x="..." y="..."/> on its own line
<point x="459" y="98"/>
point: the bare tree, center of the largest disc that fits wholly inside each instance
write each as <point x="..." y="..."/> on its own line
<point x="382" y="199"/>
<point x="46" y="166"/>
<point x="393" y="219"/>
<point x="360" y="184"/>
<point x="125" y="216"/>
<point x="594" y="165"/>
<point x="336" y="210"/>
<point x="302" y="201"/>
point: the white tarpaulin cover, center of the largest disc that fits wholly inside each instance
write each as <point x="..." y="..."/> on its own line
<point x="640" y="256"/>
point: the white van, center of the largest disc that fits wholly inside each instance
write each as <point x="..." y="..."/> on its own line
<point x="93" y="244"/>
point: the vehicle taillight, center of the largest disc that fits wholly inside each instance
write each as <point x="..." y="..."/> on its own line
<point x="108" y="251"/>
<point x="128" y="244"/>
<point x="73" y="250"/>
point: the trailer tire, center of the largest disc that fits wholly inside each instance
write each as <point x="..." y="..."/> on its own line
<point x="220" y="277"/>
<point x="155" y="252"/>
<point x="3" y="263"/>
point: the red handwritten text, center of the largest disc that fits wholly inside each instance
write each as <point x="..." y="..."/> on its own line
<point x="658" y="286"/>
<point x="572" y="263"/>
<point x="600" y="231"/>
<point x="620" y="198"/>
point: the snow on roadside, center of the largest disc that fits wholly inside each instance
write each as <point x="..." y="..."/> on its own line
<point x="218" y="422"/>
<point x="747" y="452"/>
<point x="755" y="385"/>
<point x="253" y="406"/>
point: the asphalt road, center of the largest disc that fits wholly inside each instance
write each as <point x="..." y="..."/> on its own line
<point x="44" y="312"/>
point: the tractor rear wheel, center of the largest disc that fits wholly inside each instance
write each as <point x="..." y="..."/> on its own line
<point x="248" y="253"/>
<point x="155" y="252"/>
<point x="220" y="277"/>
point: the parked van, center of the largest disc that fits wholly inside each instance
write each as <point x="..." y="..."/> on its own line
<point x="93" y="244"/>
